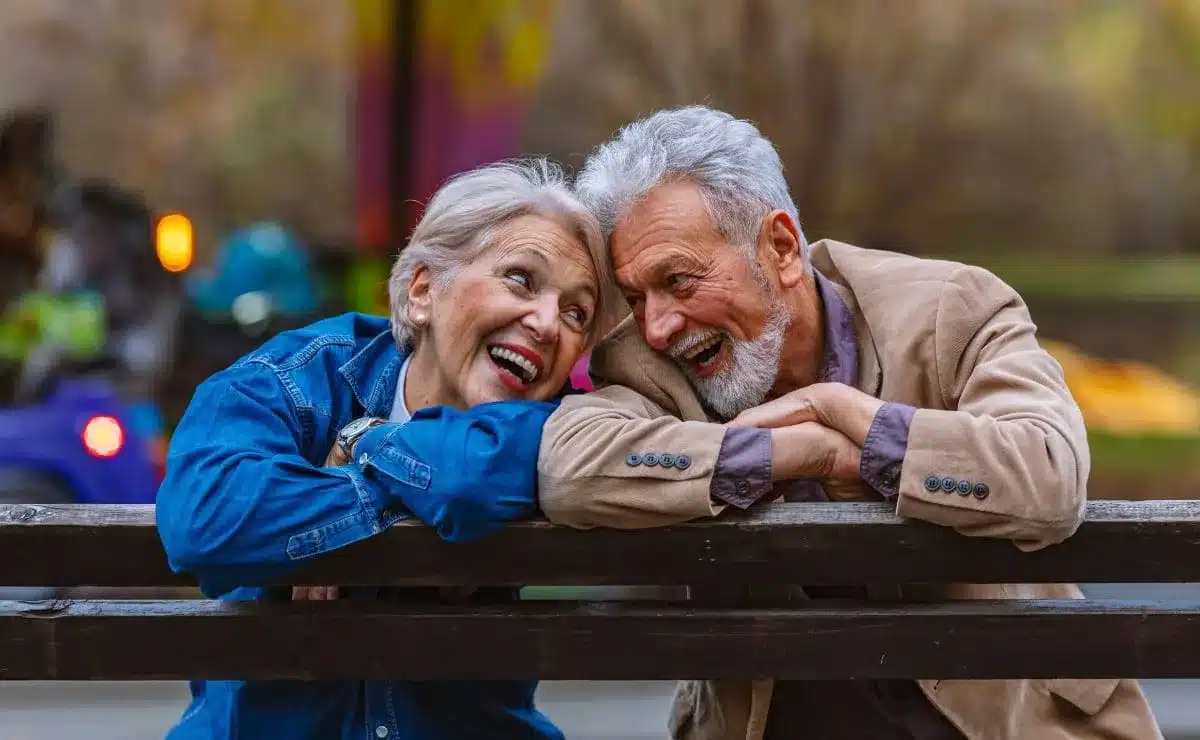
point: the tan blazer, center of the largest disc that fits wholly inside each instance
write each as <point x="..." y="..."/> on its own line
<point x="993" y="408"/>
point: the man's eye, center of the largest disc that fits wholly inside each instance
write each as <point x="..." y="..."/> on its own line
<point x="520" y="277"/>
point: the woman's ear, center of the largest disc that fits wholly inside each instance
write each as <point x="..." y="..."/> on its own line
<point x="420" y="297"/>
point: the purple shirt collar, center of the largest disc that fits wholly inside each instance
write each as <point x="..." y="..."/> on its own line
<point x="839" y="361"/>
<point x="839" y="364"/>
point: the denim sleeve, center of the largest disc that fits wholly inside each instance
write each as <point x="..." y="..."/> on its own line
<point x="466" y="473"/>
<point x="887" y="442"/>
<point x="743" y="472"/>
<point x="241" y="505"/>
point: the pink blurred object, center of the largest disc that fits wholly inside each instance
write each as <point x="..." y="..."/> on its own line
<point x="579" y="375"/>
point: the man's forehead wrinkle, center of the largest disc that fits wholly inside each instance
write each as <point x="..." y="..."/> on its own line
<point x="650" y="251"/>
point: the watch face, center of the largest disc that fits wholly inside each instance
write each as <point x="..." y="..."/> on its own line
<point x="355" y="427"/>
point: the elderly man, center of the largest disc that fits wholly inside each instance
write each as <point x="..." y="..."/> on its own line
<point x="754" y="366"/>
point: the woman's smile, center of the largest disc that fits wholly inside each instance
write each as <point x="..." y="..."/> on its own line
<point x="519" y="367"/>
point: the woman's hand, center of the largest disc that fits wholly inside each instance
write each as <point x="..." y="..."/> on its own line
<point x="336" y="457"/>
<point x="315" y="593"/>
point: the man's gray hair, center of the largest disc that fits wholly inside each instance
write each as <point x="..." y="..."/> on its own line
<point x="737" y="169"/>
<point x="460" y="222"/>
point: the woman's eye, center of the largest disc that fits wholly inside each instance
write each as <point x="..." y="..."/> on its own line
<point x="520" y="277"/>
<point x="577" y="316"/>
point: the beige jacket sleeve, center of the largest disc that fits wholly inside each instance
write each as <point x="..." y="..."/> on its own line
<point x="586" y="476"/>
<point x="1015" y="438"/>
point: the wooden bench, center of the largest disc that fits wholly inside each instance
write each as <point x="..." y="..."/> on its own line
<point x="116" y="546"/>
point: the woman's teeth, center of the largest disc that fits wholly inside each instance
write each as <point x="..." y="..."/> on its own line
<point x="514" y="363"/>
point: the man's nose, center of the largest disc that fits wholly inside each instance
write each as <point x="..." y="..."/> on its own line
<point x="660" y="323"/>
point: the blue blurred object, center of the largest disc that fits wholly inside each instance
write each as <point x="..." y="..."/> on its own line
<point x="260" y="272"/>
<point x="78" y="446"/>
<point x="145" y="420"/>
<point x="83" y="443"/>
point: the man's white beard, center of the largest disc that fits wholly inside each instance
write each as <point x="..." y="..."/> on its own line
<point x="753" y="368"/>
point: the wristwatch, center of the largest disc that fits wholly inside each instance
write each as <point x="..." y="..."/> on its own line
<point x="352" y="432"/>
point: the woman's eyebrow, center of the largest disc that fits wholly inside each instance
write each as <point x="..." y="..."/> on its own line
<point x="532" y="252"/>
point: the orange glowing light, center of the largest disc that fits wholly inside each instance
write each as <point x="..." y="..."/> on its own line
<point x="173" y="242"/>
<point x="103" y="436"/>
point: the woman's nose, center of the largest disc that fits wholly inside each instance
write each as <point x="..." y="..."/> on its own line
<point x="542" y="322"/>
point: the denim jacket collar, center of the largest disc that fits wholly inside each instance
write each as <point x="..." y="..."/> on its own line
<point x="373" y="373"/>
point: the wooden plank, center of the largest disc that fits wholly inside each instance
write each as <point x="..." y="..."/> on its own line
<point x="834" y="543"/>
<point x="118" y="640"/>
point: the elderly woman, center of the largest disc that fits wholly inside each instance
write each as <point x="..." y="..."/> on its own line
<point x="436" y="413"/>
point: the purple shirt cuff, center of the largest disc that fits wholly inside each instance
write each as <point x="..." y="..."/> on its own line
<point x="883" y="452"/>
<point x="743" y="473"/>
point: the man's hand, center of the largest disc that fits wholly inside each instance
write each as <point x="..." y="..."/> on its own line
<point x="833" y="405"/>
<point x="810" y="450"/>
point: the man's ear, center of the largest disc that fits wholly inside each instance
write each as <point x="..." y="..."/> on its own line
<point x="780" y="240"/>
<point x="420" y="296"/>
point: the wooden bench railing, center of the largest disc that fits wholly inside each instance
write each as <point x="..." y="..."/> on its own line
<point x="117" y="546"/>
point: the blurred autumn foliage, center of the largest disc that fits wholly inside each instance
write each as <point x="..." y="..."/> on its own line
<point x="231" y="110"/>
<point x="927" y="126"/>
<point x="1127" y="397"/>
<point x="924" y="126"/>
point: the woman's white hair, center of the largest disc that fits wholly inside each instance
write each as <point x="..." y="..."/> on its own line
<point x="737" y="169"/>
<point x="461" y="219"/>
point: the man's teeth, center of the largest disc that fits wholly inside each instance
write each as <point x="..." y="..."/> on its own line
<point x="704" y="346"/>
<point x="528" y="371"/>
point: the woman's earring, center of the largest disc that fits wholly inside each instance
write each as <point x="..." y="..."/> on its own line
<point x="418" y="320"/>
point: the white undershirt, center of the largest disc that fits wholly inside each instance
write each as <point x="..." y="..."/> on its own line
<point x="400" y="413"/>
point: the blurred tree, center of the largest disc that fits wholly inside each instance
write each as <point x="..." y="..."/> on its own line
<point x="1137" y="65"/>
<point x="922" y="126"/>
<point x="925" y="126"/>
<point x="231" y="110"/>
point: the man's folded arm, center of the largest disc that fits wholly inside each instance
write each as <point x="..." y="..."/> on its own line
<point x="614" y="458"/>
<point x="1012" y="460"/>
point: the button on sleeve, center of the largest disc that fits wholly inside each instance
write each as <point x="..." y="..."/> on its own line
<point x="743" y="472"/>
<point x="885" y="447"/>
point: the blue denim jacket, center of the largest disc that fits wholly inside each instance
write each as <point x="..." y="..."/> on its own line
<point x="246" y="499"/>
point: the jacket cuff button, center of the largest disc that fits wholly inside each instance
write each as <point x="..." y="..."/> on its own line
<point x="650" y="458"/>
<point x="633" y="460"/>
<point x="683" y="462"/>
<point x="932" y="483"/>
<point x="980" y="491"/>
